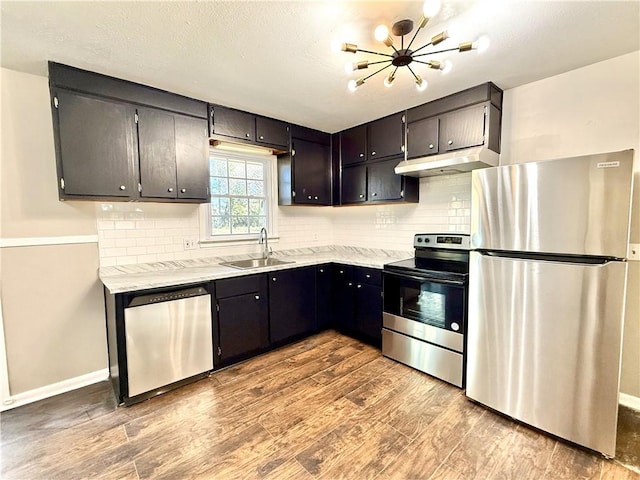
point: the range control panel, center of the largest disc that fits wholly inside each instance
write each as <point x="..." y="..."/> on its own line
<point x="442" y="240"/>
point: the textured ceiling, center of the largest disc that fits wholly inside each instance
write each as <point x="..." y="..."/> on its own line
<point x="274" y="58"/>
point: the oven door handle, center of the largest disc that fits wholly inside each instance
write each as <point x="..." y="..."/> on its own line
<point x="422" y="279"/>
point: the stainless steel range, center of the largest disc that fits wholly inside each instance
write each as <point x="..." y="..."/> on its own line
<point x="425" y="307"/>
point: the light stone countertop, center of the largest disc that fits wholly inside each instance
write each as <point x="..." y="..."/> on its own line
<point x="129" y="278"/>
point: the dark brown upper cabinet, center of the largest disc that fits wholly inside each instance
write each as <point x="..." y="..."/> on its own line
<point x="377" y="183"/>
<point x="422" y="137"/>
<point x="463" y="128"/>
<point x="386" y="137"/>
<point x="228" y="124"/>
<point x="354" y="184"/>
<point x="117" y="140"/>
<point x="353" y="145"/>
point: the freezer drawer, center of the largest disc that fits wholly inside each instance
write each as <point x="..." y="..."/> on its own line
<point x="544" y="344"/>
<point x="167" y="341"/>
<point x="423" y="356"/>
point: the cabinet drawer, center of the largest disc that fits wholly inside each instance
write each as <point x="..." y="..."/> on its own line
<point x="232" y="287"/>
<point x="372" y="276"/>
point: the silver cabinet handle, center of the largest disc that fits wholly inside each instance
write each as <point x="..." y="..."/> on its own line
<point x="170" y="189"/>
<point x="274" y="279"/>
<point x="373" y="153"/>
<point x="361" y="195"/>
<point x="261" y="137"/>
<point x="122" y="187"/>
<point x="183" y="190"/>
<point x="315" y="198"/>
<point x="341" y="272"/>
<point x="247" y="135"/>
<point x="322" y="270"/>
<point x="368" y="276"/>
<point x="309" y="197"/>
<point x="359" y="286"/>
<point x="351" y="284"/>
<point x="374" y="194"/>
<point x="257" y="297"/>
<point x="431" y="145"/>
<point x="361" y="155"/>
<point x="450" y="142"/>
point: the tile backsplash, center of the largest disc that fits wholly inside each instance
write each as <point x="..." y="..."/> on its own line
<point x="149" y="232"/>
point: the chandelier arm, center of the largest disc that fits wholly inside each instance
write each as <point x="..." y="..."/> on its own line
<point x="375" y="53"/>
<point x="381" y="61"/>
<point x="414" y="37"/>
<point x="424" y="46"/>
<point x="377" y="71"/>
<point x="439" y="51"/>
<point x="419" y="61"/>
<point x="412" y="72"/>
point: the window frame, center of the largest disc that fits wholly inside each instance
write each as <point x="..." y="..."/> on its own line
<point x="271" y="199"/>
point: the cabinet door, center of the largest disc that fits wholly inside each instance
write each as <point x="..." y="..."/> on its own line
<point x="462" y="128"/>
<point x="422" y="137"/>
<point x="368" y="318"/>
<point x="96" y="146"/>
<point x="323" y="296"/>
<point x="192" y="157"/>
<point x="233" y="123"/>
<point x="354" y="184"/>
<point x="343" y="298"/>
<point x="157" y="146"/>
<point x="384" y="183"/>
<point x="272" y="132"/>
<point x="386" y="137"/>
<point x="292" y="303"/>
<point x="311" y="172"/>
<point x="353" y="145"/>
<point x="242" y="323"/>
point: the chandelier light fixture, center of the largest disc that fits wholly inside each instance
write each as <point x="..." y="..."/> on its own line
<point x="405" y="56"/>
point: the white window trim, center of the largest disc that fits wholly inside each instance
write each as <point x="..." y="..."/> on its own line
<point x="271" y="183"/>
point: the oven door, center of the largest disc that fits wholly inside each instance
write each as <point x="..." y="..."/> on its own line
<point x="436" y="302"/>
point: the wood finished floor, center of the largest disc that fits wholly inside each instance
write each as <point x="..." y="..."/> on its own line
<point x="327" y="407"/>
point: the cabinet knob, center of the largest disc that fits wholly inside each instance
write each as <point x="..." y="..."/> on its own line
<point x="350" y="284"/>
<point x="309" y="197"/>
<point x="373" y="153"/>
<point x="361" y="195"/>
<point x="361" y="155"/>
<point x="431" y="145"/>
<point x="368" y="276"/>
<point x="402" y="193"/>
<point x="359" y="286"/>
<point x="261" y="137"/>
<point x="273" y="279"/>
<point x="247" y="135"/>
<point x="322" y="270"/>
<point x="183" y="190"/>
<point x="170" y="189"/>
<point x="257" y="297"/>
<point x="122" y="187"/>
<point x="450" y="142"/>
<point x="374" y="194"/>
<point x="315" y="198"/>
<point x="341" y="272"/>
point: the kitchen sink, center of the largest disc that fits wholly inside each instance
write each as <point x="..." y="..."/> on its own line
<point x="256" y="263"/>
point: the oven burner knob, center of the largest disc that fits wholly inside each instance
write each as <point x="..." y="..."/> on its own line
<point x="426" y="240"/>
<point x="419" y="239"/>
<point x="455" y="327"/>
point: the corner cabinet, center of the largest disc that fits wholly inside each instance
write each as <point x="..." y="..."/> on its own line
<point x="116" y="140"/>
<point x="304" y="173"/>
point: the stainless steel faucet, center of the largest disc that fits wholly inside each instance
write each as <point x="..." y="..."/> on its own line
<point x="262" y="240"/>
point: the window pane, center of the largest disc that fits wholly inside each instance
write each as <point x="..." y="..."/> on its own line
<point x="218" y="167"/>
<point x="236" y="169"/>
<point x="240" y="224"/>
<point x="255" y="171"/>
<point x="219" y="206"/>
<point x="237" y="187"/>
<point x="219" y="186"/>
<point x="256" y="207"/>
<point x="256" y="223"/>
<point x="220" y="226"/>
<point x="239" y="206"/>
<point x="255" y="188"/>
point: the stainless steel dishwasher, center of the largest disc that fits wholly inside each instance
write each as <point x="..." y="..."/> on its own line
<point x="168" y="338"/>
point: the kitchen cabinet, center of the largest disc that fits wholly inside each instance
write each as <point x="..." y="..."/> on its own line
<point x="323" y="296"/>
<point x="354" y="184"/>
<point x="377" y="183"/>
<point x="292" y="304"/>
<point x="466" y="119"/>
<point x="386" y="137"/>
<point x="353" y="145"/>
<point x="357" y="302"/>
<point x="174" y="161"/>
<point x="117" y="140"/>
<point x="96" y="146"/>
<point x="242" y="323"/>
<point x="228" y="124"/>
<point x="304" y="173"/>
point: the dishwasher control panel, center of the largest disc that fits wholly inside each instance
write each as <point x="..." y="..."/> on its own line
<point x="167" y="296"/>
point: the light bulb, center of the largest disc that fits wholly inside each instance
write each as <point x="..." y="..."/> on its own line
<point x="431" y="8"/>
<point x="381" y="33"/>
<point x="352" y="85"/>
<point x="482" y="44"/>
<point x="348" y="67"/>
<point x="336" y="46"/>
<point x="421" y="85"/>
<point x="446" y="67"/>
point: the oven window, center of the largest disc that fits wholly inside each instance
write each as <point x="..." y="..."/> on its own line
<point x="425" y="301"/>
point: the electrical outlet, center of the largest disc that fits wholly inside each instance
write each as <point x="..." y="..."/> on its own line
<point x="634" y="251"/>
<point x="314" y="237"/>
<point x="189" y="243"/>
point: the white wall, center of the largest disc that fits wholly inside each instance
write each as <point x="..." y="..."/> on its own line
<point x="589" y="110"/>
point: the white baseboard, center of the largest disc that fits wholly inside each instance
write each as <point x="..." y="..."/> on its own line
<point x="54" y="389"/>
<point x="630" y="401"/>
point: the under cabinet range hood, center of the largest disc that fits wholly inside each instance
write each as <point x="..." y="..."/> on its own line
<point x="459" y="161"/>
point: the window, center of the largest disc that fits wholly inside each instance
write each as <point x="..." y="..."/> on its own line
<point x="241" y="193"/>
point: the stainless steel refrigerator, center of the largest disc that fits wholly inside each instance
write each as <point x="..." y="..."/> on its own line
<point x="547" y="282"/>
